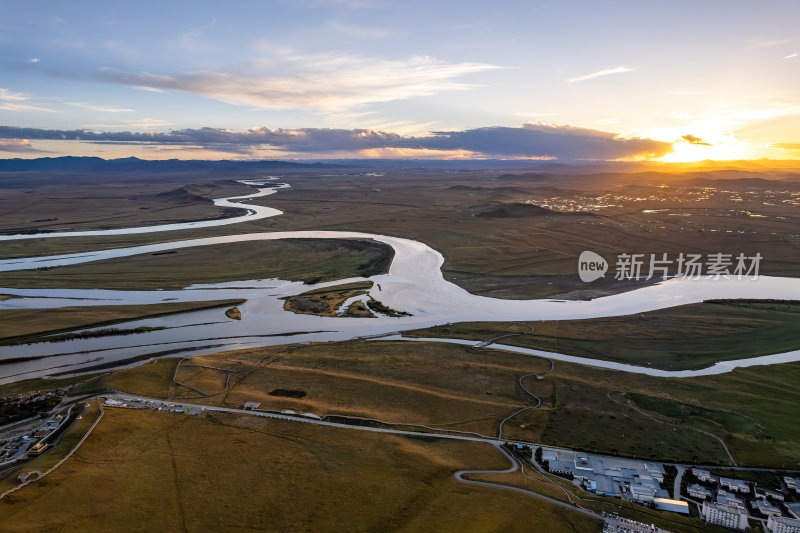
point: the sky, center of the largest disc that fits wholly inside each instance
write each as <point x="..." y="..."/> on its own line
<point x="316" y="79"/>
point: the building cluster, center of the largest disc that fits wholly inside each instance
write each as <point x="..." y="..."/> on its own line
<point x="28" y="404"/>
<point x="730" y="502"/>
<point x="31" y="444"/>
<point x="628" y="479"/>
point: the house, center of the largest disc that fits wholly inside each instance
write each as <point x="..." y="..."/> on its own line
<point x="724" y="515"/>
<point x="780" y="524"/>
<point x="762" y="492"/>
<point x="764" y="507"/>
<point x="698" y="491"/>
<point x="735" y="485"/>
<point x="792" y="483"/>
<point x="37" y="449"/>
<point x="731" y="500"/>
<point x="251" y="405"/>
<point x="704" y="475"/>
<point x="563" y="468"/>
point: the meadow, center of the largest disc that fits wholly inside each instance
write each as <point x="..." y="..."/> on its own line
<point x="145" y="468"/>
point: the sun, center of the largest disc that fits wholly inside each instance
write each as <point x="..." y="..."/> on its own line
<point x="726" y="148"/>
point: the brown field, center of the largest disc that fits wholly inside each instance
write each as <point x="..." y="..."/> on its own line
<point x="453" y="387"/>
<point x="28" y="324"/>
<point x="442" y="386"/>
<point x="144" y="469"/>
<point x="80" y="203"/>
<point x="307" y="260"/>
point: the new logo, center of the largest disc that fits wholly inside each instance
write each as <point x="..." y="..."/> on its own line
<point x="591" y="266"/>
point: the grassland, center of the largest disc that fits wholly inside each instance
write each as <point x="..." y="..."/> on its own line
<point x="307" y="260"/>
<point x="32" y="325"/>
<point x="521" y="255"/>
<point x="678" y="338"/>
<point x="751" y="409"/>
<point x="453" y="387"/>
<point x="144" y="469"/>
<point x="80" y="203"/>
<point x="325" y="301"/>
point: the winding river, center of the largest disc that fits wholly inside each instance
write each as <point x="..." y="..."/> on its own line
<point x="414" y="284"/>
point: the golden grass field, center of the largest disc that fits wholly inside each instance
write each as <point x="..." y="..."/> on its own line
<point x="148" y="469"/>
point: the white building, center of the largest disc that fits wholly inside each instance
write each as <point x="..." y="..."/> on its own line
<point x="731" y="500"/>
<point x="780" y="524"/>
<point x="723" y="515"/>
<point x="735" y="485"/>
<point x="698" y="491"/>
<point x="703" y="475"/>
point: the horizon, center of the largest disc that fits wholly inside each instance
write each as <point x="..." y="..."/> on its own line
<point x="332" y="80"/>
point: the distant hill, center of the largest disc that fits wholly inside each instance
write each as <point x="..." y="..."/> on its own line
<point x="134" y="164"/>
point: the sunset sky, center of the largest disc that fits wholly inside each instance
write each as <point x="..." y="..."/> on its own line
<point x="675" y="81"/>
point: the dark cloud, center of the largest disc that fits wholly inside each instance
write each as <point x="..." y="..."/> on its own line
<point x="694" y="140"/>
<point x="537" y="140"/>
<point x="530" y="140"/>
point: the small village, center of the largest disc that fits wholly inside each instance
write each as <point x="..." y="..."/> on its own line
<point x="35" y="421"/>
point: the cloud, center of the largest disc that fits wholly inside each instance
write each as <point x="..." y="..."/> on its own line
<point x="605" y="72"/>
<point x="10" y="106"/>
<point x="528" y="141"/>
<point x="691" y="139"/>
<point x="7" y="95"/>
<point x="10" y="101"/>
<point x="102" y="109"/>
<point x="791" y="147"/>
<point x="34" y="60"/>
<point x="327" y="82"/>
<point x="19" y="146"/>
<point x="790" y="56"/>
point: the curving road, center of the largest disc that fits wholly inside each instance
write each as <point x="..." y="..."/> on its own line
<point x="459" y="475"/>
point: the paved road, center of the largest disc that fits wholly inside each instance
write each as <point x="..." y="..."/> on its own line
<point x="459" y="475"/>
<point x="676" y="487"/>
<point x="298" y="418"/>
